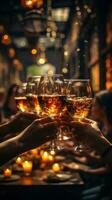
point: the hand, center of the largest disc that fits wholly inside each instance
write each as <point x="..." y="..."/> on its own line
<point x="89" y="135"/>
<point x="21" y="120"/>
<point x="85" y="132"/>
<point x="15" y="124"/>
<point x="38" y="133"/>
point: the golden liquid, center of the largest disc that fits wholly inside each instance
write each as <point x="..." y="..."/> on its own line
<point x="22" y="103"/>
<point x="52" y="105"/>
<point x="33" y="103"/>
<point x="79" y="107"/>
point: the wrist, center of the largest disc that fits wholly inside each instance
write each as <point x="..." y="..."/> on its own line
<point x="101" y="145"/>
<point x="21" y="145"/>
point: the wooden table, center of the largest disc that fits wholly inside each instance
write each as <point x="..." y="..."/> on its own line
<point x="30" y="187"/>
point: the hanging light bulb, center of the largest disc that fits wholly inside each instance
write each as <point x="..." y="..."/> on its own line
<point x="33" y="51"/>
<point x="41" y="59"/>
<point x="65" y="70"/>
<point x="32" y="3"/>
<point x="66" y="53"/>
<point x="6" y="39"/>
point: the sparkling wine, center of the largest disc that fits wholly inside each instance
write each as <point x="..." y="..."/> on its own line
<point x="22" y="103"/>
<point x="33" y="103"/>
<point x="79" y="107"/>
<point x="52" y="105"/>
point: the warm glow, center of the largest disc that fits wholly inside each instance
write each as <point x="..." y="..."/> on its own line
<point x="38" y="3"/>
<point x="77" y="8"/>
<point x="76" y="23"/>
<point x="78" y="49"/>
<point x="86" y="6"/>
<point x="37" y="109"/>
<point x="34" y="51"/>
<point x="27" y="180"/>
<point x="45" y="156"/>
<point x="21" y="107"/>
<point x="28" y="3"/>
<point x="60" y="14"/>
<point x="27" y="166"/>
<point x="32" y="3"/>
<point x="64" y="70"/>
<point x="95" y="81"/>
<point x="52" y="110"/>
<point x="50" y="72"/>
<point x="65" y="53"/>
<point x="52" y="152"/>
<point x="33" y="103"/>
<point x="21" y="103"/>
<point x="79" y="13"/>
<point x="41" y="152"/>
<point x="11" y="52"/>
<point x="19" y="161"/>
<point x="15" y="61"/>
<point x="7" y="172"/>
<point x="41" y="61"/>
<point x="6" y="39"/>
<point x="89" y="10"/>
<point x="53" y="34"/>
<point x="51" y="159"/>
<point x="56" y="167"/>
<point x="34" y="152"/>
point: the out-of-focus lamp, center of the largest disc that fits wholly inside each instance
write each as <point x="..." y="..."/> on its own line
<point x="32" y="3"/>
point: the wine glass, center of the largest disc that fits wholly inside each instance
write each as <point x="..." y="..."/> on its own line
<point x="20" y="98"/>
<point x="52" y="98"/>
<point x="79" y="100"/>
<point x="32" y="94"/>
<point x="67" y="134"/>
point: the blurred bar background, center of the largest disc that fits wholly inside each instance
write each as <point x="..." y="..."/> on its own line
<point x="56" y="36"/>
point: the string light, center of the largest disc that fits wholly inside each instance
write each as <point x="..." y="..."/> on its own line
<point x="33" y="51"/>
<point x="89" y="10"/>
<point x="77" y="8"/>
<point x="78" y="49"/>
<point x="11" y="53"/>
<point x="86" y="6"/>
<point x="79" y="13"/>
<point x="76" y="23"/>
<point x="32" y="3"/>
<point x="52" y="39"/>
<point x="65" y="53"/>
<point x="41" y="61"/>
<point x="29" y="3"/>
<point x="65" y="70"/>
<point x="53" y="33"/>
<point x="6" y="39"/>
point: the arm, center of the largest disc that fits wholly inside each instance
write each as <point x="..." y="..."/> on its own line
<point x="33" y="136"/>
<point x="98" y="171"/>
<point x="16" y="124"/>
<point x="5" y="128"/>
